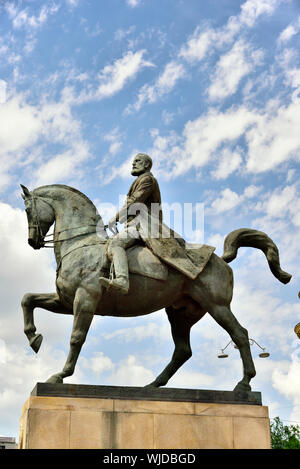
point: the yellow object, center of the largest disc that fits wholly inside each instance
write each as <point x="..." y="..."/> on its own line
<point x="297" y="329"/>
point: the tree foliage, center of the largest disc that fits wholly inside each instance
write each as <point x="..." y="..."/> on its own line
<point x="284" y="436"/>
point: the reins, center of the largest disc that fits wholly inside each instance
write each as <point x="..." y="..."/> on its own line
<point x="50" y="243"/>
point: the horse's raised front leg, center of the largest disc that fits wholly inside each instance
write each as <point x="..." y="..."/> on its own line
<point x="239" y="335"/>
<point x="48" y="301"/>
<point x="84" y="308"/>
<point x="181" y="321"/>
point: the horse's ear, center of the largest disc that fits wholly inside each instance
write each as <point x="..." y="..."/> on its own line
<point x="26" y="192"/>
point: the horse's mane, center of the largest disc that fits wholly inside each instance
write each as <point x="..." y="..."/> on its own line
<point x="63" y="186"/>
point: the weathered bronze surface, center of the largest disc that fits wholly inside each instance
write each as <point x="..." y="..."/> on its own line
<point x="187" y="284"/>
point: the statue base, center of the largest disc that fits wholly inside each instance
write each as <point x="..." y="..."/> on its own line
<point x="66" y="416"/>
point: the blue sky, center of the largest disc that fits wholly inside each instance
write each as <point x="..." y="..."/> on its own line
<point x="211" y="90"/>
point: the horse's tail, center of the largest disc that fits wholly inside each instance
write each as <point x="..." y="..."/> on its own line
<point x="256" y="239"/>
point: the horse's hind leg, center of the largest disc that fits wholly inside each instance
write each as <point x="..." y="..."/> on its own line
<point x="48" y="301"/>
<point x="181" y="321"/>
<point x="239" y="335"/>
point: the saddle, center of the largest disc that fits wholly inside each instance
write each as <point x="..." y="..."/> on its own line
<point x="142" y="261"/>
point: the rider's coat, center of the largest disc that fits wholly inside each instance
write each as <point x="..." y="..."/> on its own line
<point x="162" y="240"/>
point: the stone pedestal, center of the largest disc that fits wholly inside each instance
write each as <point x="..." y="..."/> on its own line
<point x="68" y="416"/>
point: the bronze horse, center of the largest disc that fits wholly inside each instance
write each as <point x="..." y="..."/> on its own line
<point x="80" y="256"/>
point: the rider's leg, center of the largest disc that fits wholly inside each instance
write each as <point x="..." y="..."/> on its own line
<point x="117" y="254"/>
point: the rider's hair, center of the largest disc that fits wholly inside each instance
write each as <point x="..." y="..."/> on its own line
<point x="147" y="158"/>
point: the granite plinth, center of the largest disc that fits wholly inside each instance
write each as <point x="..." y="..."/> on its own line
<point x="69" y="416"/>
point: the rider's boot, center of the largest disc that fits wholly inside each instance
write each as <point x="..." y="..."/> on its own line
<point x="120" y="262"/>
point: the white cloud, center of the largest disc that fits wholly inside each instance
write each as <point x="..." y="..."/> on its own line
<point x="217" y="241"/>
<point x="287" y="33"/>
<point x="253" y="9"/>
<point x="287" y="382"/>
<point x="3" y="48"/>
<point x="113" y="77"/>
<point x="62" y="167"/>
<point x="282" y="203"/>
<point x="231" y="68"/>
<point x="166" y="81"/>
<point x="11" y="9"/>
<point x="114" y="138"/>
<point x="30" y="45"/>
<point x="25" y="131"/>
<point x="229" y="162"/>
<point x="133" y="3"/>
<point x="20" y="125"/>
<point x="24" y="19"/>
<point x="271" y="134"/>
<point x="73" y="3"/>
<point x="30" y="21"/>
<point x="204" y="135"/>
<point x="191" y="379"/>
<point x="3" y="86"/>
<point x="274" y="138"/>
<point x="230" y="199"/>
<point x="293" y="78"/>
<point x="138" y="333"/>
<point x="25" y="370"/>
<point x="120" y="34"/>
<point x="290" y="31"/>
<point x="203" y="42"/>
<point x="106" y="209"/>
<point x="287" y="60"/>
<point x="197" y="45"/>
<point x="251" y="191"/>
<point x="167" y="117"/>
<point x="98" y="363"/>
<point x="131" y="372"/>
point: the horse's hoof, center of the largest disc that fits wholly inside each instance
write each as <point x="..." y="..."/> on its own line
<point x="55" y="379"/>
<point x="242" y="387"/>
<point x="153" y="385"/>
<point x="35" y="342"/>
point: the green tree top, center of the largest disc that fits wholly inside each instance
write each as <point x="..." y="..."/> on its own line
<point x="283" y="436"/>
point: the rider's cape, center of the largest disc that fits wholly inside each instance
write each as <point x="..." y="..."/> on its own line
<point x="171" y="248"/>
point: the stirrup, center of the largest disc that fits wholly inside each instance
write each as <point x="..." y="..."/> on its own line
<point x="119" y="283"/>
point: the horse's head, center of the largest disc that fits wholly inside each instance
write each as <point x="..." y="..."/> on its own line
<point x="40" y="216"/>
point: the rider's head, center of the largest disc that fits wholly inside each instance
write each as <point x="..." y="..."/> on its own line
<point x="141" y="164"/>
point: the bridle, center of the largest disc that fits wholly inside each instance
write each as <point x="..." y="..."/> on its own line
<point x="36" y="222"/>
<point x="50" y="243"/>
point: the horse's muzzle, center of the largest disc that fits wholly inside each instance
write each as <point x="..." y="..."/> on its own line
<point x="34" y="244"/>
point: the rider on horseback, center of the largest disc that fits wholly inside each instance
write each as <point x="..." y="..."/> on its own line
<point x="144" y="197"/>
<point x="144" y="190"/>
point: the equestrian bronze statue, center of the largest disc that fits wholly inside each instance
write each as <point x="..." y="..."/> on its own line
<point x="134" y="275"/>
